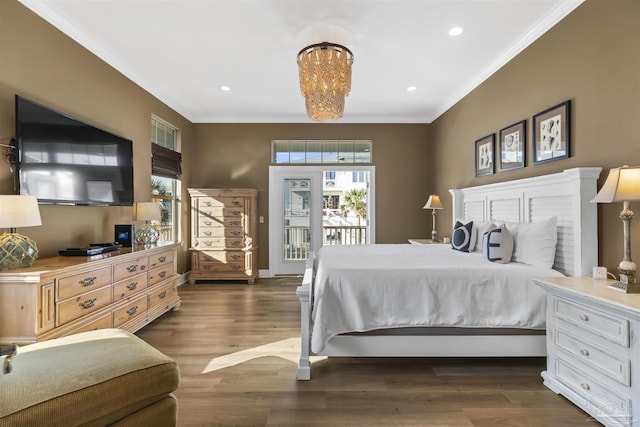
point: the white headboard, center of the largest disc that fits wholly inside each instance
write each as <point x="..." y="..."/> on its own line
<point x="566" y="195"/>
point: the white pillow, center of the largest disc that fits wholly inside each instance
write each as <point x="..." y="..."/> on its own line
<point x="497" y="245"/>
<point x="534" y="243"/>
<point x="480" y="228"/>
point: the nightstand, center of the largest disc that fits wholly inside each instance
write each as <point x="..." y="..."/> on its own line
<point x="427" y="242"/>
<point x="593" y="352"/>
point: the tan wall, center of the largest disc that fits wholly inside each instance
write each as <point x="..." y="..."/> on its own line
<point x="239" y="155"/>
<point x="592" y="58"/>
<point x="39" y="62"/>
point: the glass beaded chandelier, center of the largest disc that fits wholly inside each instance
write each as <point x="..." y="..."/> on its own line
<point x="325" y="79"/>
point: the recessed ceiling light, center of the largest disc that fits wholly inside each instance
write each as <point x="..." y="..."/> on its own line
<point x="412" y="89"/>
<point x="455" y="31"/>
<point x="225" y="88"/>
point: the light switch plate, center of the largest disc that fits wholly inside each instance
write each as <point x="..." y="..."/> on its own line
<point x="600" y="273"/>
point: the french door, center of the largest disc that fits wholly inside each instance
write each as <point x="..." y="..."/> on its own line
<point x="309" y="208"/>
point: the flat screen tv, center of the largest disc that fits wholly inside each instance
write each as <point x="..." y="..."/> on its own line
<point x="62" y="160"/>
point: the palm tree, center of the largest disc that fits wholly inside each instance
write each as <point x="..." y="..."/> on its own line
<point x="355" y="201"/>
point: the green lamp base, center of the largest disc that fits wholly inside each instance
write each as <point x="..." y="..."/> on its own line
<point x="16" y="251"/>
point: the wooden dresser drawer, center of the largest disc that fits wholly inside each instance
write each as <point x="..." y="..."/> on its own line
<point x="229" y="202"/>
<point x="218" y="243"/>
<point x="160" y="259"/>
<point x="220" y="212"/>
<point x="164" y="293"/>
<point x="157" y="275"/>
<point x="222" y="256"/>
<point x="80" y="305"/>
<point x="602" y="324"/>
<point x="216" y="267"/>
<point x="129" y="286"/>
<point x="600" y="396"/>
<point x="103" y="322"/>
<point x="206" y="222"/>
<point x="135" y="308"/>
<point x="221" y="232"/>
<point x="130" y="268"/>
<point x="606" y="361"/>
<point x="77" y="284"/>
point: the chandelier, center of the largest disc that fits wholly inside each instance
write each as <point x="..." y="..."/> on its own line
<point x="325" y="79"/>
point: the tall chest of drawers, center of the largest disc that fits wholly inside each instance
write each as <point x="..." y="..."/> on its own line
<point x="224" y="234"/>
<point x="65" y="295"/>
<point x="593" y="348"/>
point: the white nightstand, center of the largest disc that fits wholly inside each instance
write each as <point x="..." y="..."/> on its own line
<point x="593" y="352"/>
<point x="427" y="242"/>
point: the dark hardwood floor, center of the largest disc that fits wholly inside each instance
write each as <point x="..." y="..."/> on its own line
<point x="258" y="389"/>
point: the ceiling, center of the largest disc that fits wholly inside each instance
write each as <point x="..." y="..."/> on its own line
<point x="182" y="51"/>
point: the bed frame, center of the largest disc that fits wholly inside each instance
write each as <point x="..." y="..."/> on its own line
<point x="566" y="195"/>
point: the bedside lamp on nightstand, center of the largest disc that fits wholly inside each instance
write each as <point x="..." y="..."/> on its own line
<point x="433" y="203"/>
<point x="623" y="185"/>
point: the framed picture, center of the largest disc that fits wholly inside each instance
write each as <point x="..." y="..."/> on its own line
<point x="512" y="141"/>
<point x="551" y="139"/>
<point x="484" y="155"/>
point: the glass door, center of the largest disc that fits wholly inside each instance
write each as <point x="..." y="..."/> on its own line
<point x="313" y="206"/>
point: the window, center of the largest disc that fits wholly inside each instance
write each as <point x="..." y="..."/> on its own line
<point x="358" y="176"/>
<point x="166" y="167"/>
<point x="320" y="152"/>
<point x="330" y="175"/>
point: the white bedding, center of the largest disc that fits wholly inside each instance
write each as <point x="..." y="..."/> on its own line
<point x="362" y="288"/>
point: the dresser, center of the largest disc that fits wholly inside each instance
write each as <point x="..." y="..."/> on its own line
<point x="59" y="296"/>
<point x="593" y="348"/>
<point x="224" y="234"/>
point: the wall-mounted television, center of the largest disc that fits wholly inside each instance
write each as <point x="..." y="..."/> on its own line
<point x="63" y="160"/>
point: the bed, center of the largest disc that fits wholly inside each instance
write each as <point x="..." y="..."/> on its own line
<point x="408" y="300"/>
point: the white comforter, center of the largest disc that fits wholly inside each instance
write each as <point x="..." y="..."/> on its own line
<point x="362" y="288"/>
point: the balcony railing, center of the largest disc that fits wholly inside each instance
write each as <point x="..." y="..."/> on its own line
<point x="296" y="247"/>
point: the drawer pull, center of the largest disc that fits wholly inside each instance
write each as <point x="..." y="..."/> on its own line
<point x="88" y="303"/>
<point x="207" y="233"/>
<point x="236" y="212"/>
<point x="207" y="222"/>
<point x="207" y="203"/>
<point x="132" y="310"/>
<point x="162" y="258"/>
<point x="236" y="233"/>
<point x="235" y="243"/>
<point x="132" y="286"/>
<point x="234" y="222"/>
<point x="585" y="386"/>
<point x="162" y="294"/>
<point x="89" y="281"/>
<point x="235" y="257"/>
<point x="584" y="317"/>
<point x="584" y="352"/>
<point x="207" y="243"/>
<point x="162" y="274"/>
<point x="235" y="203"/>
<point x="132" y="268"/>
<point x="235" y="266"/>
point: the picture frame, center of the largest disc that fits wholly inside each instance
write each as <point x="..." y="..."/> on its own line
<point x="551" y="133"/>
<point x="484" y="157"/>
<point x="512" y="143"/>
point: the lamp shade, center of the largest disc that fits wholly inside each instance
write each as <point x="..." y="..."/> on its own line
<point x="19" y="211"/>
<point x="433" y="203"/>
<point x="146" y="211"/>
<point x="622" y="185"/>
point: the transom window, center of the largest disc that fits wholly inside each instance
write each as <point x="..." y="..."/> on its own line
<point x="320" y="152"/>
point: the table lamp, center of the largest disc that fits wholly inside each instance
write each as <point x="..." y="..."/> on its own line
<point x="16" y="250"/>
<point x="147" y="234"/>
<point x="623" y="185"/>
<point x="433" y="203"/>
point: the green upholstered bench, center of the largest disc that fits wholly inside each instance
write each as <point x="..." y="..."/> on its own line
<point x="97" y="378"/>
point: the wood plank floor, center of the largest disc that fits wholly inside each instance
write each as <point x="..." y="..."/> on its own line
<point x="221" y="319"/>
